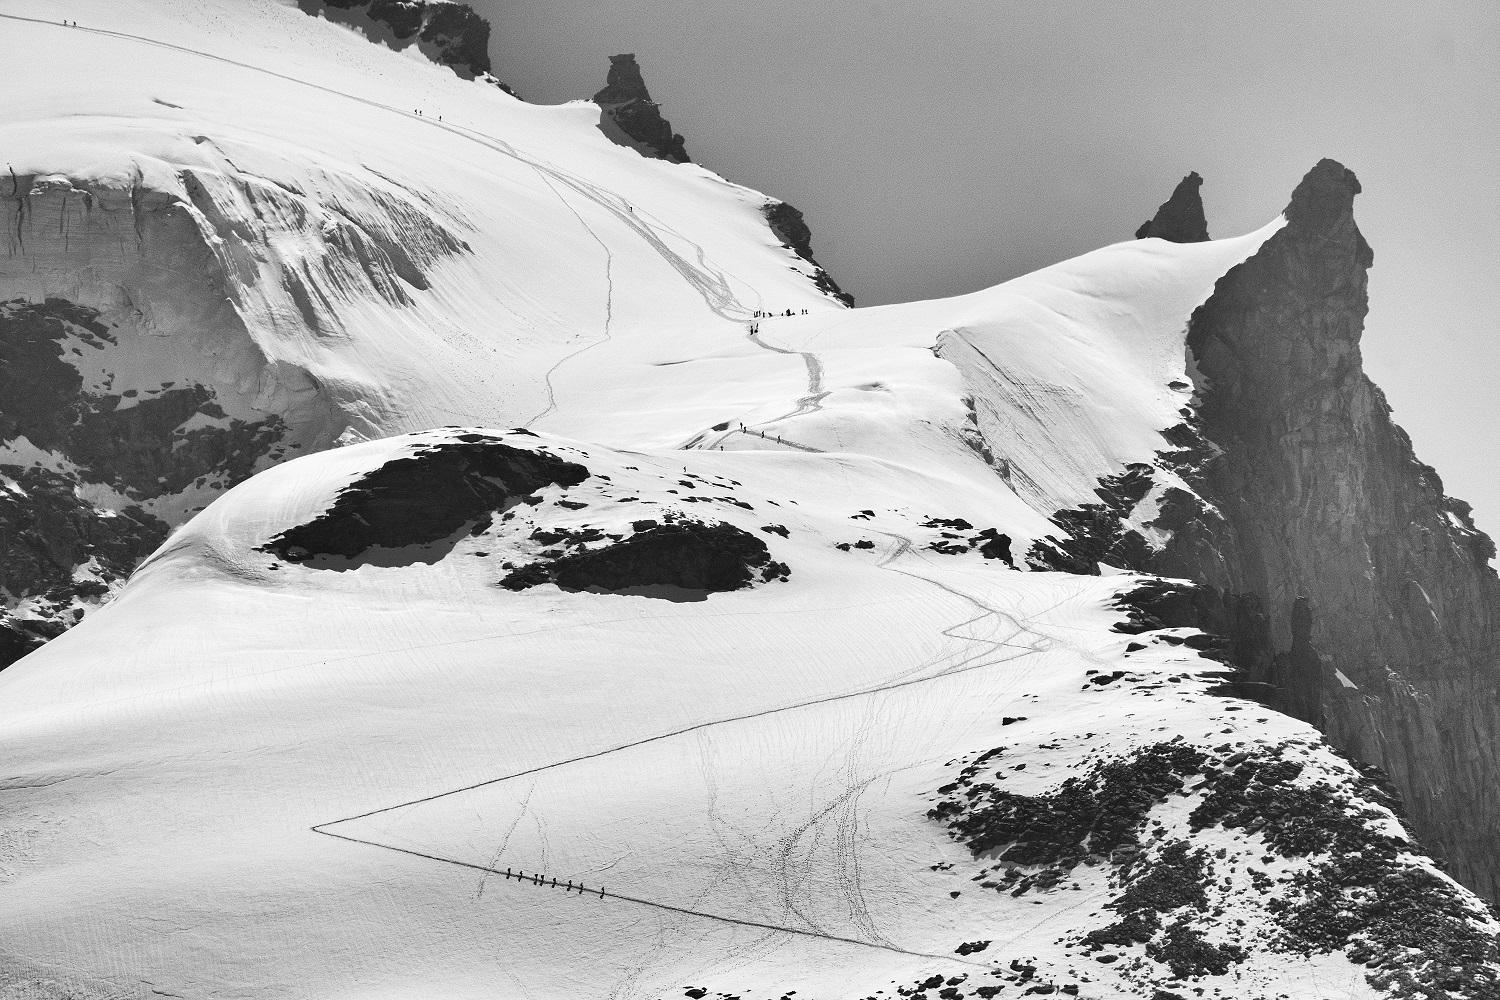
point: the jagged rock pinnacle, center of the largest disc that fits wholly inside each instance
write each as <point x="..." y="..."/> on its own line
<point x="626" y="103"/>
<point x="1327" y="550"/>
<point x="1180" y="218"/>
<point x="1324" y="202"/>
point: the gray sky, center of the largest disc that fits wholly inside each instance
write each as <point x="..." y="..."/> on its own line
<point x="943" y="146"/>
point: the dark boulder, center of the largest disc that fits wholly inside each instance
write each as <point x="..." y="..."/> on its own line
<point x="416" y="508"/>
<point x="17" y="638"/>
<point x="678" y="560"/>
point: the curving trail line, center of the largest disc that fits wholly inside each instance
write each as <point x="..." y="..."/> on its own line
<point x="674" y="909"/>
<point x="983" y="658"/>
<point x="609" y="306"/>
<point x="712" y="284"/>
<point x="810" y="402"/>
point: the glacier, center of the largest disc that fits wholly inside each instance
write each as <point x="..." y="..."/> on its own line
<point x="273" y="273"/>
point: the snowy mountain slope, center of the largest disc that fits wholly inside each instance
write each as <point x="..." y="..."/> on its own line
<point x="285" y="254"/>
<point x="744" y="639"/>
<point x="254" y="236"/>
<point x="319" y="776"/>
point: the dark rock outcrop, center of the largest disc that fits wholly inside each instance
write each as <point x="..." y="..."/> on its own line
<point x="1365" y="591"/>
<point x="1180" y="218"/>
<point x="1353" y="592"/>
<point x="626" y="104"/>
<point x="791" y="228"/>
<point x="450" y="34"/>
<point x="59" y="551"/>
<point x="678" y="560"/>
<point x="416" y="508"/>
<point x="461" y="37"/>
<point x="17" y="638"/>
<point x="1358" y="889"/>
<point x="135" y="441"/>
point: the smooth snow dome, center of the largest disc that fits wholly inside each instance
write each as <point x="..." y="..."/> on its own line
<point x="252" y="777"/>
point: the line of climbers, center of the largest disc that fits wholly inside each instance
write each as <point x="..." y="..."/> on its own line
<point x="762" y="313"/>
<point x="541" y="880"/>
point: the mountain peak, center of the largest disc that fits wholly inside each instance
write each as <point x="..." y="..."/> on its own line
<point x="1324" y="200"/>
<point x="1180" y="218"/>
<point x="627" y="104"/>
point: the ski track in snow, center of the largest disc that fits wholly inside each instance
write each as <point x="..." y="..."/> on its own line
<point x="814" y="847"/>
<point x="808" y="403"/>
<point x="505" y="840"/>
<point x="838" y="812"/>
<point x="714" y="288"/>
<point x="604" y="894"/>
<point x="707" y="280"/>
<point x="609" y="305"/>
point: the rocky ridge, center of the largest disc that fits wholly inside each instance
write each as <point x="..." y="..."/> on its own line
<point x="1349" y="590"/>
<point x="789" y="225"/>
<point x="450" y="34"/>
<point x="630" y="117"/>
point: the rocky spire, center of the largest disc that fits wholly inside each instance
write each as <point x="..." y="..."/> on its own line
<point x="1180" y="218"/>
<point x="627" y="105"/>
<point x="1354" y="593"/>
<point x="1323" y="203"/>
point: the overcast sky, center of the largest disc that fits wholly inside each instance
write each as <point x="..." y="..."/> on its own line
<point x="943" y="146"/>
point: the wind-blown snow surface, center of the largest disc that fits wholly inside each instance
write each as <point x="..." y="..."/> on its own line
<point x="254" y="777"/>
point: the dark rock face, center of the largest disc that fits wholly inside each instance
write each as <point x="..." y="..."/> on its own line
<point x="450" y="34"/>
<point x="17" y="638"/>
<point x="688" y="558"/>
<point x="59" y="551"/>
<point x="1352" y="592"/>
<point x="47" y="532"/>
<point x="627" y="104"/>
<point x="415" y="509"/>
<point x="1365" y="592"/>
<point x="791" y="228"/>
<point x="139" y="445"/>
<point x="461" y="36"/>
<point x="1180" y="218"/>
